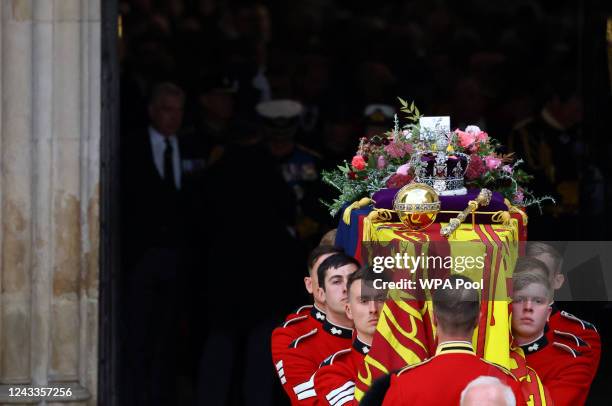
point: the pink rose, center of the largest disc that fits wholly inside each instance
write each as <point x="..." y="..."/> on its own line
<point x="471" y="136"/>
<point x="482" y="137"/>
<point x="403" y="169"/>
<point x="381" y="163"/>
<point x="492" y="162"/>
<point x="397" y="180"/>
<point x="358" y="163"/>
<point x="465" y="139"/>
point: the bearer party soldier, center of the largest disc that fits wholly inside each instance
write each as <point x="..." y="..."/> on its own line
<point x="564" y="371"/>
<point x="305" y="353"/>
<point x="583" y="334"/>
<point x="440" y="379"/>
<point x="335" y="380"/>
<point x="307" y="317"/>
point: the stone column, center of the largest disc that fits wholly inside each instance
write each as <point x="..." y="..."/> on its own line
<point x="49" y="181"/>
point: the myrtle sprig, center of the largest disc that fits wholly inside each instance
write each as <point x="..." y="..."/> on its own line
<point x="412" y="112"/>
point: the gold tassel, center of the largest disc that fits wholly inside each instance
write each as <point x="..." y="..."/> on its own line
<point x="514" y="209"/>
<point x="503" y="217"/>
<point x="346" y="216"/>
<point x="375" y="216"/>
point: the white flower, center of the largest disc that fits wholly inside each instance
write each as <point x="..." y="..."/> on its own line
<point x="472" y="129"/>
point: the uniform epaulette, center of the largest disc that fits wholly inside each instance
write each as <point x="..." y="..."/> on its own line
<point x="312" y="152"/>
<point x="585" y="324"/>
<point x="330" y="360"/>
<point x="500" y="367"/>
<point x="302" y="308"/>
<point x="295" y="342"/>
<point x="409" y="367"/>
<point x="568" y="349"/>
<point x="579" y="341"/>
<point x="294" y="320"/>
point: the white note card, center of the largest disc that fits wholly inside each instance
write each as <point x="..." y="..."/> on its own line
<point x="435" y="124"/>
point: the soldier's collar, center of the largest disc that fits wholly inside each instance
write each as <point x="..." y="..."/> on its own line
<point x="454" y="347"/>
<point x="361" y="347"/>
<point x="336" y="330"/>
<point x="317" y="314"/>
<point x="535" y="345"/>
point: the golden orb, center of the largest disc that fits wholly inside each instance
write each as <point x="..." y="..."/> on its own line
<point x="417" y="206"/>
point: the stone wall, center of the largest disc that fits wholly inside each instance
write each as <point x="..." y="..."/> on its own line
<point x="49" y="183"/>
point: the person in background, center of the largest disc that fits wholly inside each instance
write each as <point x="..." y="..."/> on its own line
<point x="298" y="165"/>
<point x="154" y="224"/>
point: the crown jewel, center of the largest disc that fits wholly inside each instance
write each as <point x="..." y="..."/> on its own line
<point x="438" y="165"/>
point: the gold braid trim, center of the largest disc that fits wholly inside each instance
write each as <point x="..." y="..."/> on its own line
<point x="346" y="216"/>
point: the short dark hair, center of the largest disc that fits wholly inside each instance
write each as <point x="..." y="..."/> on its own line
<point x="359" y="275"/>
<point x="531" y="264"/>
<point x="537" y="248"/>
<point x="520" y="280"/>
<point x="319" y="251"/>
<point x="334" y="261"/>
<point x="165" y="89"/>
<point x="456" y="309"/>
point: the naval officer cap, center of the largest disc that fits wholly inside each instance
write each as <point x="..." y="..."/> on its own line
<point x="280" y="117"/>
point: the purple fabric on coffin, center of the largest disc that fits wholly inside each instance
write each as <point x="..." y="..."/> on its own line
<point x="384" y="200"/>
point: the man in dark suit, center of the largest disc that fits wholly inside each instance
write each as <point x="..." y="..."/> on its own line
<point x="153" y="235"/>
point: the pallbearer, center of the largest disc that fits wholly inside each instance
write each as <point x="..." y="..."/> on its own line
<point x="441" y="379"/>
<point x="335" y="380"/>
<point x="306" y="318"/>
<point x="564" y="371"/>
<point x="305" y="353"/>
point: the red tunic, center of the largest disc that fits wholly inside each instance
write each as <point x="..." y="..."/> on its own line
<point x="303" y="357"/>
<point x="441" y="379"/>
<point x="303" y="311"/>
<point x="295" y="326"/>
<point x="335" y="381"/>
<point x="564" y="371"/>
<point x="578" y="334"/>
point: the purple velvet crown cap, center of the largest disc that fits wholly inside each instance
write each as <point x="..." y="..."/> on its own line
<point x="384" y="200"/>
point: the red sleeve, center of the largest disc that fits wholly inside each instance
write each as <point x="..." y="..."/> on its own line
<point x="594" y="353"/>
<point x="570" y="387"/>
<point x="334" y="386"/>
<point x="299" y="369"/>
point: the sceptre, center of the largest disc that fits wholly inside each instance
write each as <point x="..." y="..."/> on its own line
<point x="483" y="199"/>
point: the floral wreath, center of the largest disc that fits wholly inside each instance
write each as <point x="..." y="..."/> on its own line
<point x="384" y="161"/>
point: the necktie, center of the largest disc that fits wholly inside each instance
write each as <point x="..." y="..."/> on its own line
<point x="169" y="166"/>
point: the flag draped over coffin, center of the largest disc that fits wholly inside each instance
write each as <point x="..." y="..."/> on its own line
<point x="405" y="333"/>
